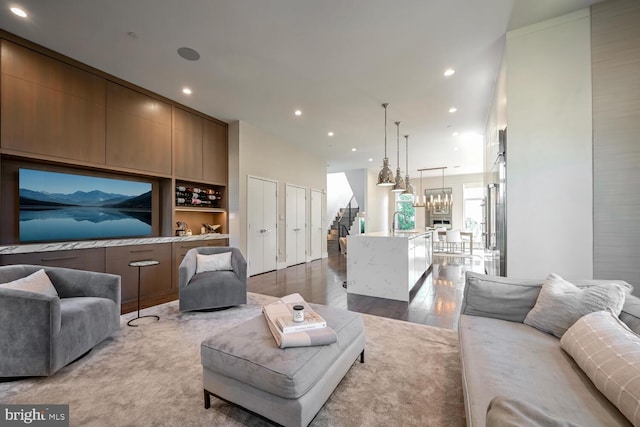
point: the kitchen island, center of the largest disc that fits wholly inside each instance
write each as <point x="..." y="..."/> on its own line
<point x="386" y="264"/>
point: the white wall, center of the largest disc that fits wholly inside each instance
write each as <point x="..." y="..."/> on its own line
<point x="549" y="149"/>
<point x="338" y="195"/>
<point x="291" y="165"/>
<point x="376" y="204"/>
<point x="358" y="182"/>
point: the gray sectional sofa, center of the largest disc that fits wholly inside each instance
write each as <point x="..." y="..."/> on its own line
<point x="505" y="359"/>
<point x="40" y="334"/>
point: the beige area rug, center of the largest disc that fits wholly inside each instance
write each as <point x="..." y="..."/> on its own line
<point x="152" y="376"/>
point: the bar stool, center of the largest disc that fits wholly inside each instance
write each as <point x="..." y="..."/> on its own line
<point x="140" y="264"/>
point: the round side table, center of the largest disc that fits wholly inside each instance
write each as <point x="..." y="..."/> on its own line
<point x="140" y="264"/>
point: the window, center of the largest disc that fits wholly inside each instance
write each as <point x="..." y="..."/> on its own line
<point x="473" y="195"/>
<point x="407" y="215"/>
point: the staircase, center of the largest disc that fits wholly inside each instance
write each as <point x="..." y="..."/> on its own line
<point x="340" y="228"/>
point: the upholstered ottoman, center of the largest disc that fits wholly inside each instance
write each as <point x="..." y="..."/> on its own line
<point x="243" y="365"/>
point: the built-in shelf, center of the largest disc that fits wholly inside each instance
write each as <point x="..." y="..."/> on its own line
<point x="213" y="210"/>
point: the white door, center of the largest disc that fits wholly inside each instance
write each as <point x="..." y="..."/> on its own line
<point x="262" y="235"/>
<point x="296" y="212"/>
<point x="315" y="245"/>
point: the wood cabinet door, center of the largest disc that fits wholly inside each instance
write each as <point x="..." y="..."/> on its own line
<point x="214" y="151"/>
<point x="51" y="108"/>
<point x="187" y="145"/>
<point x="82" y="259"/>
<point x="154" y="280"/>
<point x="138" y="131"/>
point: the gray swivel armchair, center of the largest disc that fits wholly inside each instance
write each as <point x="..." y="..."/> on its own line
<point x="212" y="289"/>
<point x="40" y="334"/>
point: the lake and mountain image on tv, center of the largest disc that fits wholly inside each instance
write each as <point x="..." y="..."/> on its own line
<point x="58" y="206"/>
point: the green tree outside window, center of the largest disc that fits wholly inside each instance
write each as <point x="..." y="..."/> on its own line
<point x="404" y="205"/>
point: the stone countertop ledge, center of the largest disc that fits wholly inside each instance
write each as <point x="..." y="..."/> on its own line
<point x="89" y="244"/>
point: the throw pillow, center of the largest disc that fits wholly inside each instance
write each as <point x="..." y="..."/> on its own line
<point x="214" y="262"/>
<point x="609" y="353"/>
<point x="37" y="282"/>
<point x="560" y="303"/>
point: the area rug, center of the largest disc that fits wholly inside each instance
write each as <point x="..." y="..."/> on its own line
<point x="151" y="376"/>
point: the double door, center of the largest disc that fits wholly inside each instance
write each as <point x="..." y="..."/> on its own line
<point x="262" y="221"/>
<point x="296" y="227"/>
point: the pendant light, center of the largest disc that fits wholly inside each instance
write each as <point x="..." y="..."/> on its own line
<point x="408" y="187"/>
<point x="385" y="176"/>
<point x="399" y="184"/>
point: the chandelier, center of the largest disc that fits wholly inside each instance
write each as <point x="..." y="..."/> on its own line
<point x="418" y="201"/>
<point x="443" y="199"/>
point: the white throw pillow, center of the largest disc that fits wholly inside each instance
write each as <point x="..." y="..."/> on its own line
<point x="214" y="262"/>
<point x="560" y="303"/>
<point x="37" y="282"/>
<point x="609" y="353"/>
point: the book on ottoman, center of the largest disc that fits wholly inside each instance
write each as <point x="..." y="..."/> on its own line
<point x="314" y="333"/>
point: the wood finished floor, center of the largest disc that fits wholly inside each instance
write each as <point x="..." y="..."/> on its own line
<point x="435" y="301"/>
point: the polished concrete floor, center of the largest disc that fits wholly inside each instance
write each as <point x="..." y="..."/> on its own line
<point x="435" y="299"/>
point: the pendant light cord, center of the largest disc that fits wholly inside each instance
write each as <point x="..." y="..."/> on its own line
<point x="385" y="105"/>
<point x="406" y="137"/>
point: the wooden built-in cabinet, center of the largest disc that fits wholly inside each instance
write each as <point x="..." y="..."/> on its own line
<point x="200" y="148"/>
<point x="155" y="281"/>
<point x="187" y="144"/>
<point x="138" y="131"/>
<point x="82" y="259"/>
<point x="59" y="114"/>
<point x="214" y="152"/>
<point x="180" y="249"/>
<point x="51" y="108"/>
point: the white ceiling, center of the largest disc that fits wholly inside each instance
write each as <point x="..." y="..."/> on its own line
<point x="336" y="60"/>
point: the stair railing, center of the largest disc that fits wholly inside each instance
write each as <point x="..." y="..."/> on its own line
<point x="350" y="217"/>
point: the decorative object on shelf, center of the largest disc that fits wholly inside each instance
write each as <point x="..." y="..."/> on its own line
<point x="385" y="176"/>
<point x="407" y="184"/>
<point x="208" y="228"/>
<point x="418" y="202"/>
<point x="398" y="187"/>
<point x="181" y="228"/>
<point x="198" y="197"/>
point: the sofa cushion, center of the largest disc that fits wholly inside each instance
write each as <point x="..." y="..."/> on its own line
<point x="37" y="282"/>
<point x="499" y="297"/>
<point x="609" y="353"/>
<point x="213" y="262"/>
<point x="560" y="303"/>
<point x="501" y="358"/>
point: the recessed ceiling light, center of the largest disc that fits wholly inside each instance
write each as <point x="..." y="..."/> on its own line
<point x="455" y="148"/>
<point x="353" y="149"/>
<point x="330" y="134"/>
<point x="298" y="113"/>
<point x="17" y="11"/>
<point x="455" y="134"/>
<point x="188" y="54"/>
<point x="371" y="160"/>
<point x="449" y="72"/>
<point x="186" y="91"/>
<point x="453" y="109"/>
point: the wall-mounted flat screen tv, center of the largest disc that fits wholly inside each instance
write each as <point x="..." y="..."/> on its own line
<point x="57" y="206"/>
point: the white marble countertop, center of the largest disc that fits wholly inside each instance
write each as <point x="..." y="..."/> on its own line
<point x="88" y="244"/>
<point x="409" y="234"/>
